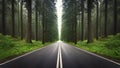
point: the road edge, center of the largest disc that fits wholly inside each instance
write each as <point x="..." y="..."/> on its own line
<point x="21" y="56"/>
<point x="97" y="55"/>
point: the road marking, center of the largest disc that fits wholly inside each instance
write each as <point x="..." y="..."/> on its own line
<point x="61" y="64"/>
<point x="57" y="65"/>
<point x="98" y="56"/>
<point x="21" y="56"/>
<point x="59" y="57"/>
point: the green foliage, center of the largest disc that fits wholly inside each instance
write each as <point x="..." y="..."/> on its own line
<point x="51" y="33"/>
<point x="109" y="47"/>
<point x="11" y="47"/>
<point x="113" y="42"/>
<point x="6" y="41"/>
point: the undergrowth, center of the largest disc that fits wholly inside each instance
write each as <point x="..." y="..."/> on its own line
<point x="12" y="47"/>
<point x="109" y="46"/>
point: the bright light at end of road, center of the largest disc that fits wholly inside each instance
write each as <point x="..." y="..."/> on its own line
<point x="59" y="16"/>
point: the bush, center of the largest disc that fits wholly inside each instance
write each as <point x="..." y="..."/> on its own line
<point x="10" y="47"/>
<point x="6" y="41"/>
<point x="113" y="44"/>
<point x="117" y="36"/>
<point x="109" y="46"/>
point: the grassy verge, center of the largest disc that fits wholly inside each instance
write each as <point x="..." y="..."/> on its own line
<point x="108" y="47"/>
<point x="11" y="47"/>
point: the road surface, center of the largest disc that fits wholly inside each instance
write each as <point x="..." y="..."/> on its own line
<point x="59" y="55"/>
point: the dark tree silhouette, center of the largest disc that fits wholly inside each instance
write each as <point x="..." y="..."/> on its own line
<point x="13" y="18"/>
<point x="21" y="17"/>
<point x="90" y="27"/>
<point x="106" y="18"/>
<point x="28" y="27"/>
<point x="75" y="24"/>
<point x="115" y="17"/>
<point x="82" y="20"/>
<point x="97" y="18"/>
<point x="43" y="24"/>
<point x="3" y="17"/>
<point x="36" y="17"/>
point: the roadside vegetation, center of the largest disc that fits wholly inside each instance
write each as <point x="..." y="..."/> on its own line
<point x="109" y="47"/>
<point x="93" y="26"/>
<point x="11" y="47"/>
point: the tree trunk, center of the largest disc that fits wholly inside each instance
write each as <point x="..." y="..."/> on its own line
<point x="13" y="18"/>
<point x="82" y="20"/>
<point x="43" y="25"/>
<point x="21" y="12"/>
<point x="97" y="17"/>
<point x="39" y="26"/>
<point x="115" y="17"/>
<point x="106" y="17"/>
<point x="75" y="30"/>
<point x="90" y="27"/>
<point x="100" y="22"/>
<point x="36" y="25"/>
<point x="28" y="31"/>
<point x="75" y="24"/>
<point x="3" y="17"/>
<point x="79" y="27"/>
<point x="18" y="30"/>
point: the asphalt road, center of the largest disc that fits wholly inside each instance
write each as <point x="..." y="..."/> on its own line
<point x="59" y="55"/>
<point x="76" y="58"/>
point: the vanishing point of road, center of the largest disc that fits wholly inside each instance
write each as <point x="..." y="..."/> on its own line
<point x="60" y="55"/>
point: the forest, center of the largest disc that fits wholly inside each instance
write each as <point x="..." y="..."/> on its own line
<point x="86" y="20"/>
<point x="92" y="25"/>
<point x="29" y="19"/>
<point x="26" y="25"/>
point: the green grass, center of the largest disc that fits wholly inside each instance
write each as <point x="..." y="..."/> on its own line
<point x="11" y="47"/>
<point x="109" y="47"/>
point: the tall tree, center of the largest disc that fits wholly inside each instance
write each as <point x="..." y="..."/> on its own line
<point x="106" y="18"/>
<point x="36" y="17"/>
<point x="97" y="18"/>
<point x="18" y="30"/>
<point x="82" y="20"/>
<point x="115" y="17"/>
<point x="28" y="28"/>
<point x="13" y="18"/>
<point x="90" y="27"/>
<point x="21" y="17"/>
<point x="3" y="17"/>
<point x="75" y="23"/>
<point x="43" y="23"/>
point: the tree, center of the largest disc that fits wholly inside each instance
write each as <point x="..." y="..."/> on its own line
<point x="106" y="18"/>
<point x="43" y="23"/>
<point x="36" y="17"/>
<point x="13" y="18"/>
<point x="21" y="17"/>
<point x="90" y="27"/>
<point x="115" y="17"/>
<point x="70" y="21"/>
<point x="18" y="4"/>
<point x="97" y="18"/>
<point x="28" y="27"/>
<point x="75" y="24"/>
<point x="82" y="20"/>
<point x="3" y="17"/>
